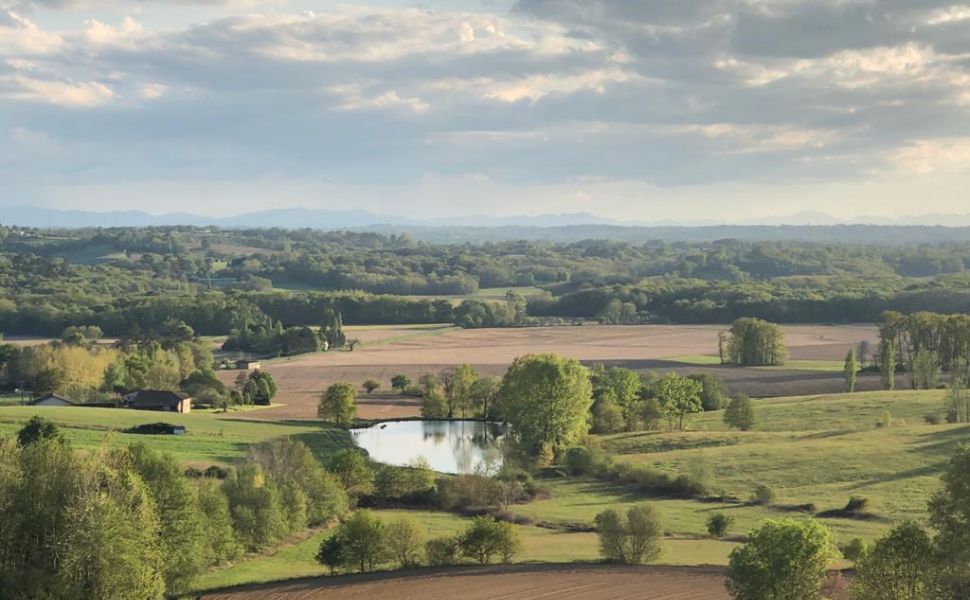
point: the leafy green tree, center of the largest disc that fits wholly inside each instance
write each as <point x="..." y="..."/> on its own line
<point x="680" y="397"/>
<point x="254" y="503"/>
<point x="546" y="399"/>
<point x="485" y="538"/>
<point x="756" y="343"/>
<point x="371" y="385"/>
<point x="405" y="542"/>
<point x="713" y="395"/>
<point x="457" y="383"/>
<point x="401" y="383"/>
<point x="899" y="566"/>
<point x="181" y="532"/>
<point x="606" y="413"/>
<point x="849" y="371"/>
<point x="887" y="364"/>
<point x="310" y="495"/>
<point x="221" y="545"/>
<point x="633" y="538"/>
<point x="510" y="541"/>
<point x="740" y="413"/>
<point x="783" y="560"/>
<point x="950" y="517"/>
<point x="925" y="369"/>
<point x="339" y="404"/>
<point x="718" y="525"/>
<point x="113" y="544"/>
<point x="332" y="553"/>
<point x="483" y="397"/>
<point x="354" y="472"/>
<point x="363" y="536"/>
<point x="442" y="552"/>
<point x="622" y="386"/>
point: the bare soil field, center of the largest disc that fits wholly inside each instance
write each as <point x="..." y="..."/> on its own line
<point x="524" y="582"/>
<point x="647" y="347"/>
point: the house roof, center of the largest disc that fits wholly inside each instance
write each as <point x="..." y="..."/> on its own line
<point x="53" y="397"/>
<point x="155" y="398"/>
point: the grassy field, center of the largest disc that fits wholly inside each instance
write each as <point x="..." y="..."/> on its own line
<point x="820" y="450"/>
<point x="210" y="438"/>
<point x="539" y="545"/>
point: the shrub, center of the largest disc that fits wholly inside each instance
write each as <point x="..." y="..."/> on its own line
<point x="332" y="553"/>
<point x="762" y="494"/>
<point x="718" y="525"/>
<point x="885" y="420"/>
<point x="855" y="550"/>
<point x="932" y="419"/>
<point x="633" y="538"/>
<point x="442" y="552"/>
<point x="486" y="537"/>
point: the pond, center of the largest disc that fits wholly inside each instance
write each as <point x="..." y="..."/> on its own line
<point x="448" y="446"/>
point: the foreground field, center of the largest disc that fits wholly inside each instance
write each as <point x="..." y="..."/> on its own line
<point x="564" y="582"/>
<point x="414" y="350"/>
<point x="539" y="545"/>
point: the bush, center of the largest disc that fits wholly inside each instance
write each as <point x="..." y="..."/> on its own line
<point x="718" y="525"/>
<point x="442" y="552"/>
<point x="762" y="494"/>
<point x="633" y="538"/>
<point x="855" y="550"/>
<point x="486" y="537"/>
<point x="932" y="419"/>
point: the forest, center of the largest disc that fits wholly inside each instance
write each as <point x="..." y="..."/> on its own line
<point x="125" y="279"/>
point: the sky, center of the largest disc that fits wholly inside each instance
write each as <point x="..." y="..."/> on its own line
<point x="640" y="110"/>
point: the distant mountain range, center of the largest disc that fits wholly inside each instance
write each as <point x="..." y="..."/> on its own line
<point x="287" y="218"/>
<point x="808" y="226"/>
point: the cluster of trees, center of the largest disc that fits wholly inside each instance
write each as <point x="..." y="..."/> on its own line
<point x="259" y="333"/>
<point x="925" y="345"/>
<point x="174" y="360"/>
<point x="753" y="343"/>
<point x="364" y="541"/>
<point x="127" y="523"/>
<point x="789" y="559"/>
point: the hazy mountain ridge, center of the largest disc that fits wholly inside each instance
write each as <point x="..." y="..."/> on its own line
<point x="809" y="226"/>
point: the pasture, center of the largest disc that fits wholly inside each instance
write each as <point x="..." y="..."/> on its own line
<point x="414" y="350"/>
<point x="210" y="438"/>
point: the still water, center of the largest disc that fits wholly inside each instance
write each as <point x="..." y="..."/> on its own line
<point x="448" y="446"/>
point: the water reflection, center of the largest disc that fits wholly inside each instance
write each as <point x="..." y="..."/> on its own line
<point x="449" y="446"/>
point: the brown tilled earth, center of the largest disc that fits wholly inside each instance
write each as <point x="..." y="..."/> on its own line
<point x="386" y="352"/>
<point x="525" y="582"/>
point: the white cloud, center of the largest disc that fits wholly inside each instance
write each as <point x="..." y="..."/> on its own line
<point x="926" y="157"/>
<point x="63" y="93"/>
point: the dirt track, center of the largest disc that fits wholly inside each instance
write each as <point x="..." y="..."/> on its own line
<point x="522" y="582"/>
<point x="491" y="350"/>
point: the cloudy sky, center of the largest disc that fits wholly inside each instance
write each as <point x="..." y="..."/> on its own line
<point x="632" y="109"/>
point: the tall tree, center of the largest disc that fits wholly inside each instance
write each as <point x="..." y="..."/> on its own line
<point x="756" y="343"/>
<point x="900" y="566"/>
<point x="849" y="371"/>
<point x="680" y="398"/>
<point x="783" y="560"/>
<point x="546" y="399"/>
<point x="338" y="404"/>
<point x="887" y="364"/>
<point x="950" y="517"/>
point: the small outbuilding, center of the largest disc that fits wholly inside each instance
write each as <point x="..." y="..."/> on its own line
<point x="53" y="400"/>
<point x="248" y="365"/>
<point x="159" y="400"/>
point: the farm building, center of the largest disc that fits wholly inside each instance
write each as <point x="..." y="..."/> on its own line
<point x="53" y="400"/>
<point x="248" y="365"/>
<point x="158" y="400"/>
